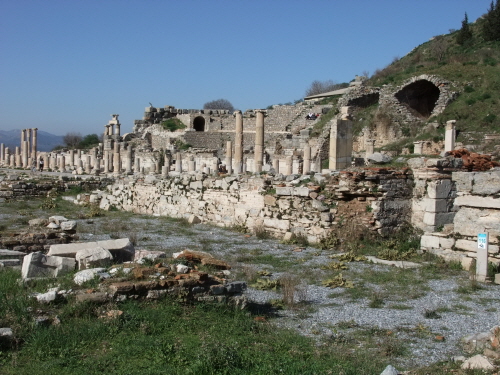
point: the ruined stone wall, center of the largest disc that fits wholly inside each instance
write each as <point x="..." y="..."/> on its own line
<point x="377" y="199"/>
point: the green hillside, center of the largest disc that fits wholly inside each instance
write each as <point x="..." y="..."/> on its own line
<point x="470" y="59"/>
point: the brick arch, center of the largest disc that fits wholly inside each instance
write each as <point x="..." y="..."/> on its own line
<point x="420" y="97"/>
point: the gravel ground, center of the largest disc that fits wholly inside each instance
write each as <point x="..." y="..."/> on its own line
<point x="331" y="315"/>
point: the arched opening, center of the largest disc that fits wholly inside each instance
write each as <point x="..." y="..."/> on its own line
<point x="420" y="97"/>
<point x="199" y="124"/>
<point x="365" y="100"/>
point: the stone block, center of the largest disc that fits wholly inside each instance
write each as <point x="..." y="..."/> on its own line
<point x="497" y="278"/>
<point x="93" y="257"/>
<point x="236" y="287"/>
<point x="57" y="219"/>
<point x="319" y="206"/>
<point x="476" y="201"/>
<point x="68" y="225"/>
<point x="429" y="241"/>
<point x="89" y="274"/>
<point x="438" y="219"/>
<point x="486" y="183"/>
<point x="439" y="189"/>
<point x="281" y="225"/>
<point x="40" y="265"/>
<point x="468" y="245"/>
<point x="193" y="219"/>
<point x="121" y="249"/>
<point x="269" y="200"/>
<point x="435" y="205"/>
<point x="301" y="191"/>
<point x="463" y="181"/>
<point x="469" y="221"/>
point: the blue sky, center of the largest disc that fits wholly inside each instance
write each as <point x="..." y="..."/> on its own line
<point x="67" y="65"/>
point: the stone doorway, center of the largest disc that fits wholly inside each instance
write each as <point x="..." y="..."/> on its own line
<point x="199" y="124"/>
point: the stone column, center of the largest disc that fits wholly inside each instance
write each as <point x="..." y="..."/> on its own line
<point x="106" y="161"/>
<point x="28" y="145"/>
<point x="168" y="162"/>
<point x="164" y="171"/>
<point x="2" y="153"/>
<point x="71" y="158"/>
<point x="137" y="165"/>
<point x="62" y="163"/>
<point x="369" y="147"/>
<point x="116" y="159"/>
<point x="76" y="158"/>
<point x="215" y="166"/>
<point x="6" y="156"/>
<point x="191" y="165"/>
<point x="238" y="143"/>
<point x="178" y="162"/>
<point x="34" y="144"/>
<point x="276" y="165"/>
<point x="259" y="141"/>
<point x="117" y="128"/>
<point x="88" y="164"/>
<point x="97" y="166"/>
<point x="229" y="157"/>
<point x="417" y="147"/>
<point x="289" y="164"/>
<point x="12" y="161"/>
<point x="450" y="135"/>
<point x="18" y="157"/>
<point x="24" y="156"/>
<point x="23" y="139"/>
<point x="46" y="162"/>
<point x="306" y="167"/>
<point x="340" y="155"/>
<point x="93" y="157"/>
<point x="128" y="160"/>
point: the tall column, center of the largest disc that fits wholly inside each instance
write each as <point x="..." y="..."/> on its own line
<point x="167" y="162"/>
<point x="306" y="168"/>
<point x="259" y="141"/>
<point x="341" y="141"/>
<point x="116" y="159"/>
<point x="229" y="157"/>
<point x="6" y="156"/>
<point x="24" y="158"/>
<point x="23" y="144"/>
<point x="34" y="144"/>
<point x="106" y="161"/>
<point x="12" y="161"/>
<point x="450" y="135"/>
<point x="28" y="146"/>
<point x="238" y="142"/>
<point x="18" y="157"/>
<point x="2" y="153"/>
<point x="93" y="157"/>
<point x="178" y="162"/>
<point x="137" y="165"/>
<point x="88" y="164"/>
<point x="46" y="161"/>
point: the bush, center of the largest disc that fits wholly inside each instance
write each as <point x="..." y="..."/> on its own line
<point x="173" y="124"/>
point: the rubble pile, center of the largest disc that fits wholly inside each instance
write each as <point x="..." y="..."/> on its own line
<point x="473" y="161"/>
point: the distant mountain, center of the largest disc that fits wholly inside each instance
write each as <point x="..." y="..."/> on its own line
<point x="45" y="141"/>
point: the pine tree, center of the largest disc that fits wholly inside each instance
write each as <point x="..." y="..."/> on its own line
<point x="464" y="34"/>
<point x="491" y="25"/>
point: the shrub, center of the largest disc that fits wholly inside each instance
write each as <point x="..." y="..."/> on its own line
<point x="173" y="124"/>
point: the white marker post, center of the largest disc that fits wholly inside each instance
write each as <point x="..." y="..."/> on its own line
<point x="482" y="257"/>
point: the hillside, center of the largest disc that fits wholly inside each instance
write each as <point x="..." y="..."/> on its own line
<point x="46" y="141"/>
<point x="473" y="71"/>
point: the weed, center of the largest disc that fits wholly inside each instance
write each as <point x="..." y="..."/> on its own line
<point x="261" y="233"/>
<point x="376" y="301"/>
<point x="431" y="314"/>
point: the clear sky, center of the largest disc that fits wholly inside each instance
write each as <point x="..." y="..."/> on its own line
<point x="67" y="65"/>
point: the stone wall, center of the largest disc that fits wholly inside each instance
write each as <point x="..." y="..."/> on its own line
<point x="378" y="199"/>
<point x="477" y="206"/>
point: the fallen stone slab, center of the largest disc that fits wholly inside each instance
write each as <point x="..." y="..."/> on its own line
<point x="68" y="225"/>
<point x="93" y="258"/>
<point x="11" y="254"/>
<point x="121" y="249"/>
<point x="37" y="265"/>
<point x="396" y="263"/>
<point x="142" y="256"/>
<point x="47" y="297"/>
<point x="98" y="297"/>
<point x="57" y="219"/>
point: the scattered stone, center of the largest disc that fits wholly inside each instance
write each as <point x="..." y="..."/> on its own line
<point x="479" y="362"/>
<point x="47" y="297"/>
<point x="379" y="158"/>
<point x="93" y="258"/>
<point x="38" y="222"/>
<point x="57" y="219"/>
<point x="390" y="370"/>
<point x="6" y="332"/>
<point x="396" y="263"/>
<point x="89" y="274"/>
<point x="68" y="225"/>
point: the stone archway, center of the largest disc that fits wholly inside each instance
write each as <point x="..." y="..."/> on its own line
<point x="199" y="124"/>
<point x="420" y="97"/>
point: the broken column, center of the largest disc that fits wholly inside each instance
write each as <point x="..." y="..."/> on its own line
<point x="2" y="153"/>
<point x="259" y="141"/>
<point x="137" y="165"/>
<point x="306" y="168"/>
<point x="238" y="142"/>
<point x="167" y="162"/>
<point x="18" y="158"/>
<point x="276" y="165"/>
<point x="450" y="135"/>
<point x="215" y="166"/>
<point x="417" y="147"/>
<point x="88" y="164"/>
<point x="369" y="147"/>
<point x="178" y="162"/>
<point x="341" y="141"/>
<point x="106" y="162"/>
<point x="128" y="160"/>
<point x="191" y="165"/>
<point x="62" y="163"/>
<point x="288" y="166"/>
<point x="229" y="157"/>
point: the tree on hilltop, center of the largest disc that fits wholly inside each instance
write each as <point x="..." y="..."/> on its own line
<point x="219" y="104"/>
<point x="491" y="25"/>
<point x="465" y="33"/>
<point x="71" y="140"/>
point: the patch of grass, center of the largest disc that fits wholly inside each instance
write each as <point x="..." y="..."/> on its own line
<point x="376" y="301"/>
